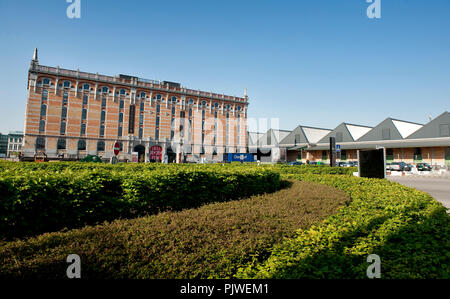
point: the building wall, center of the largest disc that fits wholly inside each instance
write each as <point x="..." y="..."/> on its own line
<point x="130" y="136"/>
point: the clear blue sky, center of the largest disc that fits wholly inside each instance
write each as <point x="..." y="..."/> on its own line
<point x="309" y="62"/>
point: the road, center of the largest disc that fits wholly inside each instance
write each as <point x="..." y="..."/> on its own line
<point x="439" y="188"/>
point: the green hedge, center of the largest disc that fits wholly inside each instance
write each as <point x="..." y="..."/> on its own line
<point x="36" y="201"/>
<point x="408" y="229"/>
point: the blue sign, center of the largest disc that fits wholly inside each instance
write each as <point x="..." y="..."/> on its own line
<point x="338" y="148"/>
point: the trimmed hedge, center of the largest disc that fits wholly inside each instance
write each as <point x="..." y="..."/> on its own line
<point x="408" y="229"/>
<point x="208" y="242"/>
<point x="36" y="201"/>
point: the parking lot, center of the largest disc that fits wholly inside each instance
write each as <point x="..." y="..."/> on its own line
<point x="438" y="187"/>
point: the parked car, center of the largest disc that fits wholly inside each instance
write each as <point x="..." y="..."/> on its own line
<point x="399" y="166"/>
<point x="295" y="163"/>
<point x="424" y="167"/>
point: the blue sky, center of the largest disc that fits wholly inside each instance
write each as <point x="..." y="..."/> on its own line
<point x="315" y="63"/>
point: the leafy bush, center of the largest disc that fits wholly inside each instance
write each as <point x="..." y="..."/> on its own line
<point x="209" y="242"/>
<point x="43" y="200"/>
<point x="408" y="229"/>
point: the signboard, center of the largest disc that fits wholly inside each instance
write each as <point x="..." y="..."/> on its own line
<point x="156" y="153"/>
<point x="116" y="148"/>
<point x="372" y="163"/>
<point x="332" y="151"/>
<point x="338" y="148"/>
<point x="135" y="157"/>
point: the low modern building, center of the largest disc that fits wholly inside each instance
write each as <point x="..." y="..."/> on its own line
<point x="72" y="114"/>
<point x="403" y="140"/>
<point x="15" y="141"/>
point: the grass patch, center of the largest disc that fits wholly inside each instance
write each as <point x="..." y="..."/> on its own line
<point x="212" y="241"/>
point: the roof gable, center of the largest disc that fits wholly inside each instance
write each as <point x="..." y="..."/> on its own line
<point x="345" y="133"/>
<point x="438" y="127"/>
<point x="386" y="130"/>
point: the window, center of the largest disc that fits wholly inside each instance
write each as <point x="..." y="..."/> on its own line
<point x="324" y="155"/>
<point x="174" y="99"/>
<point x="85" y="99"/>
<point x="63" y="128"/>
<point x="81" y="145"/>
<point x="83" y="129"/>
<point x="228" y="106"/>
<point x="204" y="103"/>
<point x="131" y="119"/>
<point x="172" y="134"/>
<point x="156" y="133"/>
<point x="216" y="105"/>
<point x="44" y="94"/>
<point x="158" y="108"/>
<point x="42" y="126"/>
<point x="105" y="89"/>
<point x="64" y="112"/>
<point x="66" y="84"/>
<point x="119" y="132"/>
<point x="103" y="116"/>
<point x="173" y="110"/>
<point x="86" y="86"/>
<point x="43" y="110"/>
<point x="143" y="95"/>
<point x="239" y="108"/>
<point x="65" y="97"/>
<point x="157" y="121"/>
<point x="121" y="117"/>
<point x="158" y="97"/>
<point x="191" y="101"/>
<point x="203" y="114"/>
<point x="84" y="114"/>
<point x="386" y="134"/>
<point x="101" y="146"/>
<point x="102" y="130"/>
<point x="103" y="102"/>
<point x="46" y="81"/>
<point x="444" y="130"/>
<point x="141" y="132"/>
<point x="389" y="154"/>
<point x="142" y="106"/>
<point x="40" y="143"/>
<point x="417" y="154"/>
<point x="61" y="144"/>
<point x="122" y="92"/>
<point x="190" y="112"/>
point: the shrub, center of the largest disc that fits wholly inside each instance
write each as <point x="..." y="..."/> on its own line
<point x="209" y="242"/>
<point x="408" y="229"/>
<point x="36" y="201"/>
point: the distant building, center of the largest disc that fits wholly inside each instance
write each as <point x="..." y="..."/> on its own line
<point x="403" y="140"/>
<point x="15" y="142"/>
<point x="71" y="114"/>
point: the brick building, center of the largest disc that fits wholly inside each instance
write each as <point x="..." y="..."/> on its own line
<point x="72" y="114"/>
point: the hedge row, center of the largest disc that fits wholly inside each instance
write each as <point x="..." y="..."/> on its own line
<point x="208" y="242"/>
<point x="408" y="229"/>
<point x="39" y="201"/>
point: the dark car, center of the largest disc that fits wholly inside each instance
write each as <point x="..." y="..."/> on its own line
<point x="295" y="163"/>
<point x="424" y="167"/>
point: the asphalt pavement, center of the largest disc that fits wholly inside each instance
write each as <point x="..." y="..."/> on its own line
<point x="437" y="187"/>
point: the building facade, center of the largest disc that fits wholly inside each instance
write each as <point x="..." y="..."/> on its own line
<point x="15" y="141"/>
<point x="404" y="141"/>
<point x="72" y="114"/>
<point x="3" y="145"/>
